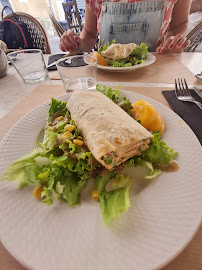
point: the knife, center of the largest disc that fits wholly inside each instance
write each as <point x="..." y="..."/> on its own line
<point x="198" y="92"/>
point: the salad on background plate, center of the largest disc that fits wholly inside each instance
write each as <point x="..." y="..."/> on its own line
<point x="120" y="57"/>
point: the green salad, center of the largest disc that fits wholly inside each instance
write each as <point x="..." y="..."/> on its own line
<point x="60" y="167"/>
<point x="137" y="56"/>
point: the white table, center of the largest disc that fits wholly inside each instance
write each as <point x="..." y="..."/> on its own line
<point x="13" y="89"/>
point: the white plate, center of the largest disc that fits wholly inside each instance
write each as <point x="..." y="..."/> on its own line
<point x="150" y="60"/>
<point x="163" y="218"/>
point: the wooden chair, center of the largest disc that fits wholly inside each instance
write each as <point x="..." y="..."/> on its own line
<point x="72" y="16"/>
<point x="57" y="26"/>
<point x="38" y="35"/>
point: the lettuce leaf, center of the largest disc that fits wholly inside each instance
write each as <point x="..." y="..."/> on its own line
<point x="63" y="161"/>
<point x="57" y="106"/>
<point x="140" y="52"/>
<point x="62" y="177"/>
<point x="81" y="167"/>
<point x="101" y="181"/>
<point x="50" y="139"/>
<point x="119" y="181"/>
<point x="74" y="177"/>
<point x="119" y="63"/>
<point x="154" y="172"/>
<point x="159" y="152"/>
<point x="133" y="161"/>
<point x="49" y="178"/>
<point x="24" y="170"/>
<point x="114" y="95"/>
<point x="73" y="186"/>
<point x="103" y="48"/>
<point x="114" y="202"/>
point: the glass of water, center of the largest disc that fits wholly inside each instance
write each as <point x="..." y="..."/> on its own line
<point x="29" y="64"/>
<point x="78" y="72"/>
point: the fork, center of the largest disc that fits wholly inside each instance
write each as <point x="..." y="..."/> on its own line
<point x="182" y="92"/>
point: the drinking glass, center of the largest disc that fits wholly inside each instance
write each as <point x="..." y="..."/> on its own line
<point x="78" y="72"/>
<point x="29" y="64"/>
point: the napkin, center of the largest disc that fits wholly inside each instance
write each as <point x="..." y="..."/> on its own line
<point x="54" y="58"/>
<point x="188" y="111"/>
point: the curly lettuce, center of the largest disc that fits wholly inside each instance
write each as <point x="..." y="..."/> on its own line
<point x="115" y="201"/>
<point x="114" y="95"/>
<point x="104" y="47"/>
<point x="159" y="152"/>
<point x="140" y="52"/>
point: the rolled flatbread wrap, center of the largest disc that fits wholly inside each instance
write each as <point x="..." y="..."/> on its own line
<point x="110" y="133"/>
<point x="119" y="51"/>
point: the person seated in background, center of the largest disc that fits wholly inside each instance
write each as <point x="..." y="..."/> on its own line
<point x="161" y="24"/>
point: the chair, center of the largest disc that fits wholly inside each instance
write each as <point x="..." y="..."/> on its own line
<point x="195" y="36"/>
<point x="72" y="16"/>
<point x="38" y="35"/>
<point x="56" y="25"/>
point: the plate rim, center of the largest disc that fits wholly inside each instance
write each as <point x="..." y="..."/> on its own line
<point x="122" y="69"/>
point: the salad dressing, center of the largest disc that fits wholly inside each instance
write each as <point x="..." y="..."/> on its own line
<point x="173" y="167"/>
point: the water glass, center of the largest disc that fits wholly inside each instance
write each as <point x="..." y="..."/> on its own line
<point x="78" y="72"/>
<point x="29" y="64"/>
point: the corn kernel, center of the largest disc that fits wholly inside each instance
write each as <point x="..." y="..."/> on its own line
<point x="95" y="195"/>
<point x="79" y="137"/>
<point x="78" y="142"/>
<point x="65" y="135"/>
<point x="59" y="118"/>
<point x="37" y="192"/>
<point x="69" y="127"/>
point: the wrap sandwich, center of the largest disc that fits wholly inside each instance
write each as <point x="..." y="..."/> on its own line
<point x="110" y="133"/>
<point x="119" y="51"/>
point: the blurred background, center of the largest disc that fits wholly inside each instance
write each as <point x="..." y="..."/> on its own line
<point x="67" y="16"/>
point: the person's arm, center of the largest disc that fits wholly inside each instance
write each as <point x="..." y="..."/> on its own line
<point x="176" y="39"/>
<point x="86" y="41"/>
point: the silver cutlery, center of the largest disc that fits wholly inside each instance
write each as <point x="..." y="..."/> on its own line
<point x="199" y="76"/>
<point x="198" y="92"/>
<point x="182" y="92"/>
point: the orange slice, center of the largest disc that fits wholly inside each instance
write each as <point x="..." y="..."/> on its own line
<point x="100" y="59"/>
<point x="148" y="115"/>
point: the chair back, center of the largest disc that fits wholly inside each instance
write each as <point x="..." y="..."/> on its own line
<point x="37" y="33"/>
<point x="57" y="26"/>
<point x="72" y="16"/>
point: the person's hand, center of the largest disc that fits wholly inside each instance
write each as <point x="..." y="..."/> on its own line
<point x="70" y="42"/>
<point x="174" y="44"/>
